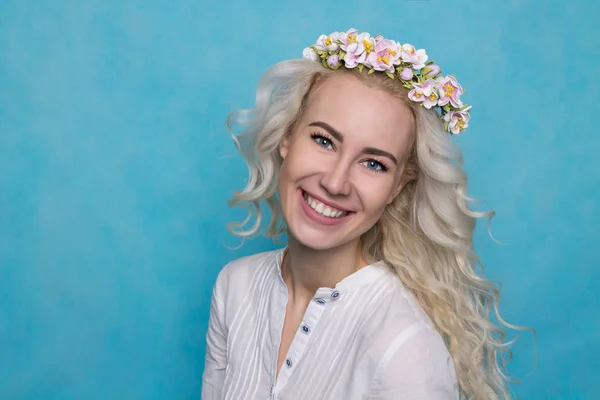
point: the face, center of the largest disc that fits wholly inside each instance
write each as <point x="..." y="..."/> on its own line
<point x="343" y="162"/>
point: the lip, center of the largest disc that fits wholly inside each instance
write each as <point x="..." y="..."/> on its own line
<point x="326" y="202"/>
<point x="315" y="216"/>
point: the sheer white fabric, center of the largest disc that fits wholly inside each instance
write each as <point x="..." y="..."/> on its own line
<point x="367" y="338"/>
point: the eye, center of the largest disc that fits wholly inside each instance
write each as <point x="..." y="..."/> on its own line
<point x="375" y="165"/>
<point x="322" y="141"/>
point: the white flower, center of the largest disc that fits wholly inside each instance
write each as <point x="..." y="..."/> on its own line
<point x="310" y="53"/>
<point x="328" y="42"/>
<point x="417" y="58"/>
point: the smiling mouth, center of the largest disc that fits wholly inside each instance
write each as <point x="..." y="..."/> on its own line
<point x="323" y="209"/>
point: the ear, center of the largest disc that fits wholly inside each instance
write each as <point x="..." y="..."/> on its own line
<point x="399" y="186"/>
<point x="284" y="146"/>
<point x="405" y="177"/>
<point x="408" y="174"/>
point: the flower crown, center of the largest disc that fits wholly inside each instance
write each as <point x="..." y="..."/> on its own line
<point x="424" y="79"/>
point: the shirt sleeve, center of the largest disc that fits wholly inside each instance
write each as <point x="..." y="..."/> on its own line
<point x="216" y="348"/>
<point x="416" y="365"/>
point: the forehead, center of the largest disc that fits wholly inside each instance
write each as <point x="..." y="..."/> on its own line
<point x="361" y="112"/>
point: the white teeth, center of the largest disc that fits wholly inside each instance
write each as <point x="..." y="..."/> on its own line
<point x="322" y="208"/>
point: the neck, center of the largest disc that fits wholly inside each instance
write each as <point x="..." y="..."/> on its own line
<point x="305" y="270"/>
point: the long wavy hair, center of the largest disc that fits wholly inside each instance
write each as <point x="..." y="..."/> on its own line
<point x="425" y="234"/>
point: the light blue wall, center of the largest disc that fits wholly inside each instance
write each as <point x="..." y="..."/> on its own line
<point x="115" y="171"/>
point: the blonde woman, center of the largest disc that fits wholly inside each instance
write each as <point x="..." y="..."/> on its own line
<point x="375" y="295"/>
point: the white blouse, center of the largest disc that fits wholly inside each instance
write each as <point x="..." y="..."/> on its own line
<point x="367" y="338"/>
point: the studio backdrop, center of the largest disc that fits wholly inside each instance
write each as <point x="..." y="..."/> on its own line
<point x="116" y="168"/>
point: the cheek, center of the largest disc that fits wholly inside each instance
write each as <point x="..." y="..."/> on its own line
<point x="376" y="202"/>
<point x="375" y="193"/>
<point x="292" y="170"/>
<point x="304" y="159"/>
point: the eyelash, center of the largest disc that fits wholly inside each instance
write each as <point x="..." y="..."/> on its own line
<point x="315" y="136"/>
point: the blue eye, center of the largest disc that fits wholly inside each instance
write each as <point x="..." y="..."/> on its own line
<point x="322" y="141"/>
<point x="375" y="166"/>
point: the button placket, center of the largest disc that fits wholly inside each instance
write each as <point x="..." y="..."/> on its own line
<point x="302" y="339"/>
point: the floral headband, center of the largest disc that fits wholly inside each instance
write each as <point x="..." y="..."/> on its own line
<point x="424" y="79"/>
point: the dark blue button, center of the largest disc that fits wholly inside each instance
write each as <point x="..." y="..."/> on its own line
<point x="288" y="362"/>
<point x="305" y="328"/>
<point x="320" y="300"/>
<point x="335" y="295"/>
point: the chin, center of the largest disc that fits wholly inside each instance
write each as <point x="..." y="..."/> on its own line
<point x="315" y="237"/>
<point x="316" y="240"/>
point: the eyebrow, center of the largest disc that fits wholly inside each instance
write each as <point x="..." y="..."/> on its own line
<point x="336" y="134"/>
<point x="340" y="138"/>
<point x="379" y="152"/>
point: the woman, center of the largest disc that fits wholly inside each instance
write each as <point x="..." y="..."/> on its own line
<point x="375" y="295"/>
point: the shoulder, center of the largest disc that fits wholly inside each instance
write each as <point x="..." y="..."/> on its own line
<point x="397" y="313"/>
<point x="408" y="354"/>
<point x="416" y="364"/>
<point x="241" y="271"/>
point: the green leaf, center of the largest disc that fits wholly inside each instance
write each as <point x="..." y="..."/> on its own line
<point x="370" y="71"/>
<point x="390" y="74"/>
<point x="342" y="54"/>
<point x="360" y="67"/>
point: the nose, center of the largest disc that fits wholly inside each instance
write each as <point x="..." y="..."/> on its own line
<point x="336" y="181"/>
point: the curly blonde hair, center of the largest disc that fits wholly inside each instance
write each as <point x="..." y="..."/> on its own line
<point x="425" y="234"/>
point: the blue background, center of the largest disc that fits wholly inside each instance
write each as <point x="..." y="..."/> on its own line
<point x="115" y="168"/>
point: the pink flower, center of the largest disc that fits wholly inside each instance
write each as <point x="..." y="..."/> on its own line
<point x="347" y="38"/>
<point x="450" y="91"/>
<point x="431" y="70"/>
<point x="358" y="50"/>
<point x="386" y="54"/>
<point x="407" y="74"/>
<point x="457" y="121"/>
<point x="355" y="54"/>
<point x="425" y="93"/>
<point x="417" y="58"/>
